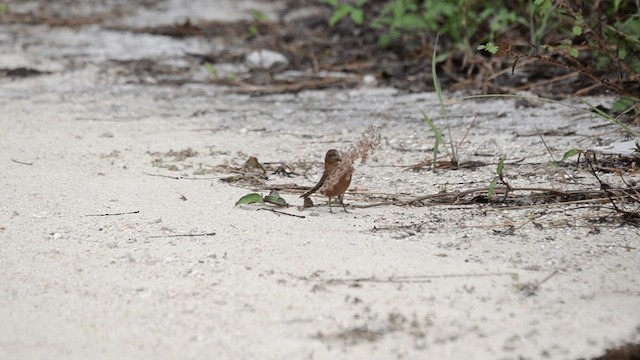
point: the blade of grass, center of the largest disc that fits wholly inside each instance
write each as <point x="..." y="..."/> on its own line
<point x="553" y="160"/>
<point x="437" y="133"/>
<point x="443" y="109"/>
<point x="610" y="118"/>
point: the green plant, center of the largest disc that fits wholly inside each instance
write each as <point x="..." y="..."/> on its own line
<point x="257" y="18"/>
<point x="443" y="110"/>
<point x="589" y="38"/>
<point x="458" y="20"/>
<point x="571" y="153"/>
<point x="343" y="9"/>
<point x="494" y="182"/>
<point x="610" y="118"/>
<point x="489" y="47"/>
<point x="211" y="69"/>
<point x="397" y="17"/>
<point x="438" y="135"/>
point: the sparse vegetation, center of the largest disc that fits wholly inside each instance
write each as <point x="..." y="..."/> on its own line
<point x="591" y="38"/>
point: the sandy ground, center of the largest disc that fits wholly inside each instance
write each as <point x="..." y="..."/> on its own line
<point x="441" y="282"/>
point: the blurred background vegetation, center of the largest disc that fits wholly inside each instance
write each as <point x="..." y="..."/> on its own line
<point x="598" y="41"/>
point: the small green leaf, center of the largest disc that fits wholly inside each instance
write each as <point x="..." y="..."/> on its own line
<point x="574" y="52"/>
<point x="250" y="199"/>
<point x="384" y="41"/>
<point x="437" y="133"/>
<point x="577" y="30"/>
<point x="333" y="3"/>
<point x="211" y="69"/>
<point x="492" y="188"/>
<point x="622" y="52"/>
<point x="489" y="47"/>
<point x="410" y="21"/>
<point x="622" y="105"/>
<point x="252" y="30"/>
<point x="571" y="153"/>
<point x="275" y="198"/>
<point x="258" y="15"/>
<point x="361" y="2"/>
<point x="441" y="57"/>
<point x="500" y="167"/>
<point x="357" y="16"/>
<point x="342" y="10"/>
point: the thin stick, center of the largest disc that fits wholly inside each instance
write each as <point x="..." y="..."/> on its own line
<point x="277" y="212"/>
<point x="177" y="177"/>
<point x="466" y="133"/>
<point x="548" y="277"/>
<point x="22" y="162"/>
<point x="407" y="279"/>
<point x="115" y="214"/>
<point x="181" y="235"/>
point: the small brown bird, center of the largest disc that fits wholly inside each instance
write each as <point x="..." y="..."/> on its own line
<point x="335" y="179"/>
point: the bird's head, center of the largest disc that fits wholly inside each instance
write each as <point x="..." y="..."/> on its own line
<point x="332" y="157"/>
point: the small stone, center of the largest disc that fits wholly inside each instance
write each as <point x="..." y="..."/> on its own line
<point x="369" y="80"/>
<point x="266" y="60"/>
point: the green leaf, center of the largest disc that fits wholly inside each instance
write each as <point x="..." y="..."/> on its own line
<point x="410" y="21"/>
<point x="500" y="167"/>
<point x="631" y="27"/>
<point x="258" y="15"/>
<point x="397" y="8"/>
<point x="275" y="198"/>
<point x="577" y="30"/>
<point x="441" y="57"/>
<point x="357" y="16"/>
<point x="574" y="52"/>
<point x="384" y="41"/>
<point x="211" y="69"/>
<point x="436" y="81"/>
<point x="250" y="199"/>
<point x="621" y="105"/>
<point x="361" y="2"/>
<point x="333" y="3"/>
<point x="436" y="132"/>
<point x="492" y="188"/>
<point x="252" y="30"/>
<point x="342" y="10"/>
<point x="571" y="153"/>
<point x="489" y="47"/>
<point x="622" y="52"/>
<point x="542" y="6"/>
<point x="606" y="116"/>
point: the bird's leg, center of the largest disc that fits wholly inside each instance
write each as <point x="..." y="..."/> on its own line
<point x="331" y="211"/>
<point x="340" y="198"/>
